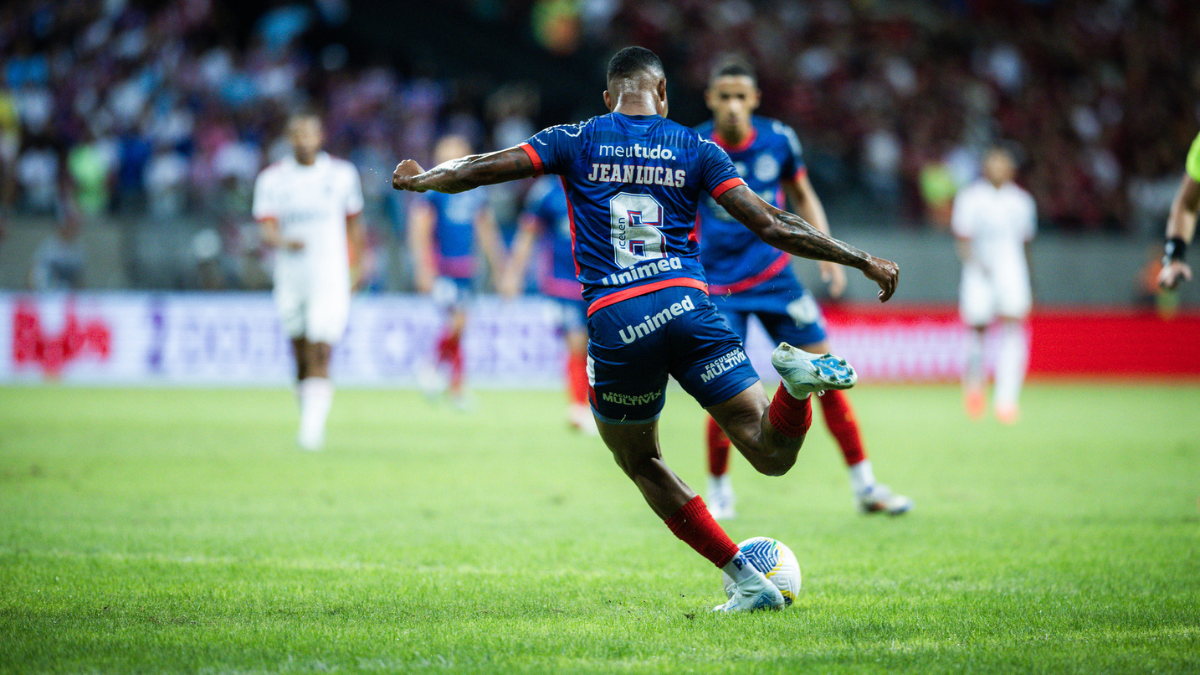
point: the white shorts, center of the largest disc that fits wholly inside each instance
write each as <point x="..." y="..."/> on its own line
<point x="983" y="296"/>
<point x="317" y="315"/>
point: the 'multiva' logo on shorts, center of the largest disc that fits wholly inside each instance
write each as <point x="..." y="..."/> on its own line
<point x="722" y="365"/>
<point x="630" y="399"/>
<point x="653" y="323"/>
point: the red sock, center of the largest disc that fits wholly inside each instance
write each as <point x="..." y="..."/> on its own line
<point x="695" y="526"/>
<point x="718" y="449"/>
<point x="450" y="351"/>
<point x="577" y="379"/>
<point x="790" y="416"/>
<point x="839" y="417"/>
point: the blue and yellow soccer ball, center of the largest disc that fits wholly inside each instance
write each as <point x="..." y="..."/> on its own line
<point x="774" y="559"/>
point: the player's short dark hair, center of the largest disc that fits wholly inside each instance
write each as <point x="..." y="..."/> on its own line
<point x="733" y="67"/>
<point x="633" y="61"/>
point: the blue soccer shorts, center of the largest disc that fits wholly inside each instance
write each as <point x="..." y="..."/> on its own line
<point x="635" y="344"/>
<point x="783" y="306"/>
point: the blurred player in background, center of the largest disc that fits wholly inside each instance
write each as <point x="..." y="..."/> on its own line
<point x="1181" y="224"/>
<point x="748" y="277"/>
<point x="633" y="180"/>
<point x="546" y="212"/>
<point x="309" y="208"/>
<point x="994" y="222"/>
<point x="443" y="231"/>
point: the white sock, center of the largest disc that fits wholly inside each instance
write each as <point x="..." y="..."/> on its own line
<point x="862" y="477"/>
<point x="316" y="398"/>
<point x="739" y="569"/>
<point x="973" y="377"/>
<point x="1010" y="364"/>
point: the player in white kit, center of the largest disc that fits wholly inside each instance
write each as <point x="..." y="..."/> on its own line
<point x="994" y="221"/>
<point x="309" y="206"/>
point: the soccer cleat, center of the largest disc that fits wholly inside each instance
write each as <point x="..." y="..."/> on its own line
<point x="310" y="440"/>
<point x="753" y="594"/>
<point x="879" y="498"/>
<point x="804" y="373"/>
<point x="719" y="498"/>
<point x="1007" y="414"/>
<point x="975" y="403"/>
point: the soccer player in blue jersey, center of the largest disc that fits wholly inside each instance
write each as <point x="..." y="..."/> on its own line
<point x="546" y="212"/>
<point x="443" y="230"/>
<point x="633" y="181"/>
<point x="748" y="277"/>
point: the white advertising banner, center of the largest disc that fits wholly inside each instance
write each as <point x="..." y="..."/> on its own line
<point x="236" y="339"/>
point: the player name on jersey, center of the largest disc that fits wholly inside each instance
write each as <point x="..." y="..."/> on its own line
<point x="637" y="174"/>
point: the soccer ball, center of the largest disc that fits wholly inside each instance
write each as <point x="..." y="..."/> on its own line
<point x="775" y="560"/>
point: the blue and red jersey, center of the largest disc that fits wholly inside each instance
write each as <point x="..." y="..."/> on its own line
<point x="633" y="184"/>
<point x="547" y="203"/>
<point x="734" y="258"/>
<point x="454" y="230"/>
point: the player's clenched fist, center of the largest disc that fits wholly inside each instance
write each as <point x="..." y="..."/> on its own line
<point x="402" y="176"/>
<point x="885" y="273"/>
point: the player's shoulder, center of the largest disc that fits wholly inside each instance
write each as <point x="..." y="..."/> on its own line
<point x="272" y="171"/>
<point x="704" y="129"/>
<point x="771" y="131"/>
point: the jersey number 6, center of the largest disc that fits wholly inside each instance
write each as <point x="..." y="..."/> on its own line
<point x="635" y="234"/>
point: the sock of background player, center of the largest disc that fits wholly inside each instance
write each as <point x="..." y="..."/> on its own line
<point x="839" y="417"/>
<point x="450" y="353"/>
<point x="973" y="377"/>
<point x="718" y="449"/>
<point x="315" y="401"/>
<point x="577" y="379"/>
<point x="1010" y="365"/>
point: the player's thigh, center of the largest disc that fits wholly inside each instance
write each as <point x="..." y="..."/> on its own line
<point x="627" y="363"/>
<point x="1012" y="293"/>
<point x="741" y="416"/>
<point x="976" y="298"/>
<point x="706" y="355"/>
<point x="327" y="313"/>
<point x="290" y="303"/>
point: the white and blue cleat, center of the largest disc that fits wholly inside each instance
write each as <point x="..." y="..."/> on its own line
<point x="804" y="373"/>
<point x="752" y="595"/>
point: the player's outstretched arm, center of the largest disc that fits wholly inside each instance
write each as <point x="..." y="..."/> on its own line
<point x="1181" y="226"/>
<point x="789" y="232"/>
<point x="465" y="173"/>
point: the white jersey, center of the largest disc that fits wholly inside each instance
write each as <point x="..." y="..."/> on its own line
<point x="997" y="222"/>
<point x="311" y="204"/>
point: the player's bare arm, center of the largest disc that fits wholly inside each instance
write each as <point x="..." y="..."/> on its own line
<point x="355" y="237"/>
<point x="272" y="237"/>
<point x="420" y="243"/>
<point x="808" y="206"/>
<point x="791" y="233"/>
<point x="465" y="173"/>
<point x="487" y="232"/>
<point x="518" y="257"/>
<point x="1181" y="225"/>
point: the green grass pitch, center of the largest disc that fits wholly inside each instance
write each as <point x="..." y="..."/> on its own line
<point x="180" y="531"/>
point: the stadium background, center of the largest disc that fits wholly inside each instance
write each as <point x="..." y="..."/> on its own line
<point x="143" y="124"/>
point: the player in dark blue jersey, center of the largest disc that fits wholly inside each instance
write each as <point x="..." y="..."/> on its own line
<point x="633" y="181"/>
<point x="546" y="213"/>
<point x="443" y="230"/>
<point x="747" y="277"/>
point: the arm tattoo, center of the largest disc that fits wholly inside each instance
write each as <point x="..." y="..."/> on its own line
<point x="470" y="172"/>
<point x="787" y="231"/>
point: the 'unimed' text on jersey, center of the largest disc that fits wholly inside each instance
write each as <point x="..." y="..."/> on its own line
<point x="734" y="258"/>
<point x="633" y="183"/>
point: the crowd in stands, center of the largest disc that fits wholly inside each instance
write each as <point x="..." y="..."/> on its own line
<point x="157" y="108"/>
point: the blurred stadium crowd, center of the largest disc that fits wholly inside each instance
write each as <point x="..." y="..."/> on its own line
<point x="171" y="108"/>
